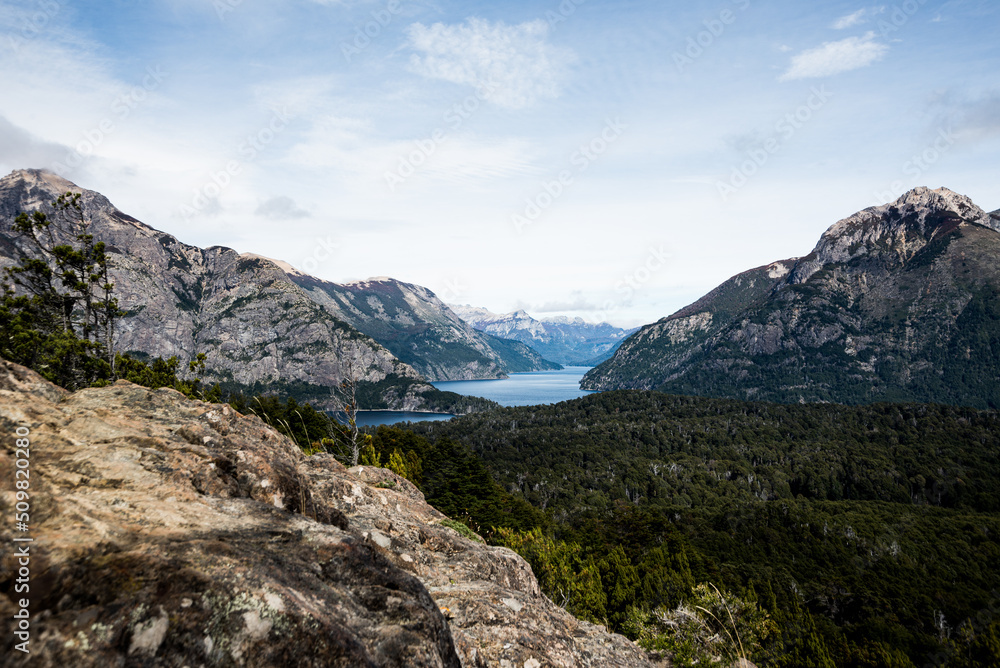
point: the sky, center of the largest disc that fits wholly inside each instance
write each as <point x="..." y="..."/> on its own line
<point x="607" y="160"/>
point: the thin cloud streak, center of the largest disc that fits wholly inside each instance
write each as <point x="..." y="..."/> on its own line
<point x="835" y="57"/>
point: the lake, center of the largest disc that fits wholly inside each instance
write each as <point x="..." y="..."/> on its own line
<point x="520" y="389"/>
<point x="524" y="389"/>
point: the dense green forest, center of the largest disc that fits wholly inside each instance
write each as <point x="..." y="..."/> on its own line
<point x="858" y="536"/>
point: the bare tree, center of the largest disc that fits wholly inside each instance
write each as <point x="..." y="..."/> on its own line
<point x="354" y="363"/>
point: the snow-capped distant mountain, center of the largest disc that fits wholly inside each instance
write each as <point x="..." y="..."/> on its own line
<point x="571" y="341"/>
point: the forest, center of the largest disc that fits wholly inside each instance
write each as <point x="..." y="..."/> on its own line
<point x="849" y="535"/>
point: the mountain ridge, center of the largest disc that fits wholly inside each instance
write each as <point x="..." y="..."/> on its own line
<point x="570" y="341"/>
<point x="420" y="329"/>
<point x="259" y="330"/>
<point x="896" y="302"/>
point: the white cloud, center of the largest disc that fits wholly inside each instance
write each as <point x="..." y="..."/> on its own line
<point x="849" y="20"/>
<point x="517" y="60"/>
<point x="20" y="149"/>
<point x="835" y="57"/>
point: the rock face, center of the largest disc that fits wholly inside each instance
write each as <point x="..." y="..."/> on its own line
<point x="169" y="532"/>
<point x="250" y="316"/>
<point x="420" y="329"/>
<point x="564" y="340"/>
<point x="650" y="355"/>
<point x="898" y="302"/>
<point x="255" y="326"/>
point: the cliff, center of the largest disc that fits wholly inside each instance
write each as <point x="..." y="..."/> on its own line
<point x="169" y="532"/>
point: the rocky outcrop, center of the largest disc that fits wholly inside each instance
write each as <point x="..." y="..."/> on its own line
<point x="571" y="341"/>
<point x="898" y="302"/>
<point x="893" y="233"/>
<point x="169" y="532"/>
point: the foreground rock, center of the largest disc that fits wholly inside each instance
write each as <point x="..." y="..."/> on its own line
<point x="168" y="532"/>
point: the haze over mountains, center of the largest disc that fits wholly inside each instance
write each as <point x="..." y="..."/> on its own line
<point x="899" y="302"/>
<point x="263" y="324"/>
<point x="570" y="341"/>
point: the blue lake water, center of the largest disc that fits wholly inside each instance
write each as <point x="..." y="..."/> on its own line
<point x="521" y="389"/>
<point x="524" y="389"/>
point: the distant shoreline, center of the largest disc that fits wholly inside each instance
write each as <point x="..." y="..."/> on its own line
<point x="393" y="410"/>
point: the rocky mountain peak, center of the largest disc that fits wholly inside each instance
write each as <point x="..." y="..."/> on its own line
<point x="894" y="232"/>
<point x="39" y="177"/>
<point x="894" y="303"/>
<point x="281" y="264"/>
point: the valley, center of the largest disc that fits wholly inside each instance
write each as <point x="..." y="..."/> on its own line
<point x="829" y="516"/>
<point x="386" y="334"/>
<point x="810" y="444"/>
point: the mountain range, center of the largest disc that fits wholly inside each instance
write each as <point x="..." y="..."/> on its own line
<point x="570" y="341"/>
<point x="419" y="329"/>
<point x="899" y="302"/>
<point x="264" y="325"/>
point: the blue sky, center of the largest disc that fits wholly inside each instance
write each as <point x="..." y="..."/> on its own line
<point x="612" y="160"/>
